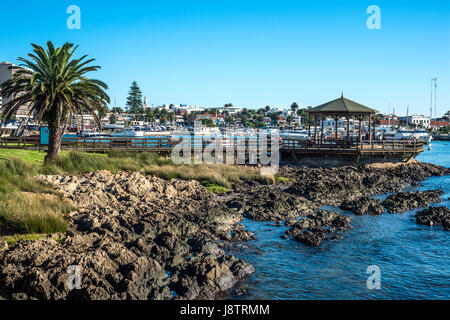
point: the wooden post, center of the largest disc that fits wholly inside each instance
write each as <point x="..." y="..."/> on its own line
<point x="315" y="129"/>
<point x="360" y="130"/>
<point x="309" y="125"/>
<point x="321" y="131"/>
<point x="336" y="119"/>
<point x="373" y="131"/>
<point x="348" y="128"/>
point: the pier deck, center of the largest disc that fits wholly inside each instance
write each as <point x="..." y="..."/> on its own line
<point x="290" y="147"/>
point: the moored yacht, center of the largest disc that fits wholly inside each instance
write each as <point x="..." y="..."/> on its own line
<point x="127" y="132"/>
<point x="408" y="134"/>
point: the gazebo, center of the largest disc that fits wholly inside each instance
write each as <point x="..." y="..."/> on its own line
<point x="342" y="108"/>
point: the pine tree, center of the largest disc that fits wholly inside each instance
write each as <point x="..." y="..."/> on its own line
<point x="134" y="100"/>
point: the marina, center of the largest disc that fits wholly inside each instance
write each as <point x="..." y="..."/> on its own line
<point x="236" y="154"/>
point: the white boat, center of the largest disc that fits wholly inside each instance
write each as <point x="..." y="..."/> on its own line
<point x="88" y="133"/>
<point x="127" y="133"/>
<point x="407" y="134"/>
<point x="301" y="134"/>
<point x="423" y="135"/>
<point x="157" y="133"/>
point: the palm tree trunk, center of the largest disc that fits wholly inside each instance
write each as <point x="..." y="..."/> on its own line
<point x="54" y="142"/>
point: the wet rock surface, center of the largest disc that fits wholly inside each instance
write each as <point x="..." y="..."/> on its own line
<point x="363" y="205"/>
<point x="319" y="226"/>
<point x="331" y="186"/>
<point x="434" y="216"/>
<point x="270" y="204"/>
<point x="404" y="201"/>
<point x="133" y="237"/>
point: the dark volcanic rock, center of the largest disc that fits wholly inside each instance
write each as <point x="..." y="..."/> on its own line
<point x="312" y="229"/>
<point x="204" y="276"/>
<point x="269" y="204"/>
<point x="242" y="235"/>
<point x="241" y="290"/>
<point x="363" y="205"/>
<point x="133" y="237"/>
<point x="331" y="185"/>
<point x="140" y="237"/>
<point x="312" y="237"/>
<point x="404" y="201"/>
<point x="435" y="216"/>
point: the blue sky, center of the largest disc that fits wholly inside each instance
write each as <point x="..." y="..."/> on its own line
<point x="251" y="53"/>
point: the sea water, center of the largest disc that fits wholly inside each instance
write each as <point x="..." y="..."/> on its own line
<point x="414" y="260"/>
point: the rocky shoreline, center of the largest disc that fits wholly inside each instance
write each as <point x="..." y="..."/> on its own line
<point x="141" y="237"/>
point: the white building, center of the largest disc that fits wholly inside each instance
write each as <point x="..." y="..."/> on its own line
<point x="231" y="109"/>
<point x="416" y="120"/>
<point x="145" y="106"/>
<point x="188" y="108"/>
<point x="7" y="69"/>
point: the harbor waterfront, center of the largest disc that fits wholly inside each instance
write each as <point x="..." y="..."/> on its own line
<point x="136" y="236"/>
<point x="225" y="159"/>
<point x="413" y="258"/>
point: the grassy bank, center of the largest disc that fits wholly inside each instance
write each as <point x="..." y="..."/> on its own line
<point x="29" y="207"/>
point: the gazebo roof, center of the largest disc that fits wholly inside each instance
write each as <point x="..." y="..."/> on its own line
<point x="342" y="105"/>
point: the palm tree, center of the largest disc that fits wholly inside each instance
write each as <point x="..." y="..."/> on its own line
<point x="294" y="107"/>
<point x="55" y="87"/>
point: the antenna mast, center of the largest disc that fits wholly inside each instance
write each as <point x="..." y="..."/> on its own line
<point x="434" y="80"/>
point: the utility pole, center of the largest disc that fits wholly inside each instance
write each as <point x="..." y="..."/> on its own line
<point x="433" y="81"/>
<point x="393" y="117"/>
<point x="435" y="89"/>
<point x="389" y="114"/>
<point x="407" y="115"/>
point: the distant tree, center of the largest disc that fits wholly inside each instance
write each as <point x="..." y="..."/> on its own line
<point x="102" y="111"/>
<point x="134" y="100"/>
<point x="289" y="120"/>
<point x="149" y="115"/>
<point x="267" y="108"/>
<point x="113" y="118"/>
<point x="117" y="110"/>
<point x="303" y="113"/>
<point x="172" y="117"/>
<point x="207" y="122"/>
<point x="294" y="107"/>
<point x="444" y="130"/>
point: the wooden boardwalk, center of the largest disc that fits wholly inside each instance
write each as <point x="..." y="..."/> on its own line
<point x="289" y="146"/>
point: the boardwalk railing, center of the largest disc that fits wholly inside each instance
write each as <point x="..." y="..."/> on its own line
<point x="165" y="144"/>
<point x="19" y="143"/>
<point x="295" y="144"/>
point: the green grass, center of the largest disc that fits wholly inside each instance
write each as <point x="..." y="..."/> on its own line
<point x="27" y="206"/>
<point x="10" y="240"/>
<point x="281" y="179"/>
<point x="78" y="162"/>
<point x="25" y="155"/>
<point x="30" y="207"/>
<point x="215" y="188"/>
